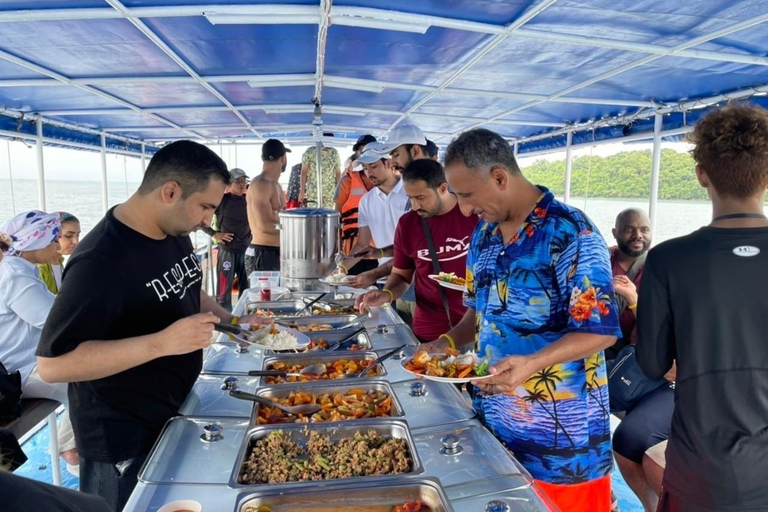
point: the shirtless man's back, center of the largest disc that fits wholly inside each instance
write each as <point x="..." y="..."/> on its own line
<point x="265" y="200"/>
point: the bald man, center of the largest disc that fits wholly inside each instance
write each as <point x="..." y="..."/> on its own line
<point x="632" y="232"/>
<point x="649" y="421"/>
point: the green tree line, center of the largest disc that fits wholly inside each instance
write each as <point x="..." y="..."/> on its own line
<point x="624" y="175"/>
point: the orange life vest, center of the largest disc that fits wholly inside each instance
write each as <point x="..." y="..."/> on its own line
<point x="349" y="211"/>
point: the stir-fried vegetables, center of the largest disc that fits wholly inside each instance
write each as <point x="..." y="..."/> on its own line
<point x="339" y="369"/>
<point x="350" y="405"/>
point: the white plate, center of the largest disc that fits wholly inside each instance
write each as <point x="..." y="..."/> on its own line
<point x="344" y="282"/>
<point x="446" y="284"/>
<point x="302" y="340"/>
<point x="440" y="379"/>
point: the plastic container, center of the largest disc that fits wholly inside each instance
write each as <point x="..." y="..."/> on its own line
<point x="272" y="276"/>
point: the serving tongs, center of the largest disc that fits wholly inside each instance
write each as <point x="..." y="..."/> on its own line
<point x="243" y="335"/>
<point x="375" y="363"/>
<point x="310" y="304"/>
<point x="293" y="410"/>
<point x="346" y="339"/>
<point x="362" y="317"/>
<point x="313" y="370"/>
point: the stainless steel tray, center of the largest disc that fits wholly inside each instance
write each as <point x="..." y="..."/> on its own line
<point x="319" y="388"/>
<point x="335" y="321"/>
<point x="363" y="341"/>
<point x="197" y="451"/>
<point x="351" y="498"/>
<point x="327" y="358"/>
<point x="278" y="307"/>
<point x="299" y="433"/>
<point x="210" y="398"/>
<point x="225" y="359"/>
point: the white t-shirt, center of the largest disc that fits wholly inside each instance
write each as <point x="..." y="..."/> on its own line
<point x="24" y="305"/>
<point x="380" y="213"/>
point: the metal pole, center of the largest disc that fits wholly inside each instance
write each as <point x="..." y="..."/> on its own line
<point x="53" y="447"/>
<point x="10" y="177"/>
<point x="104" y="196"/>
<point x="318" y="169"/>
<point x="236" y="154"/>
<point x="656" y="168"/>
<point x="40" y="167"/>
<point x="143" y="158"/>
<point x="514" y="150"/>
<point x="568" y="166"/>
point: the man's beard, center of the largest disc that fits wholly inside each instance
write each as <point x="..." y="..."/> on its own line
<point x="401" y="169"/>
<point x="626" y="249"/>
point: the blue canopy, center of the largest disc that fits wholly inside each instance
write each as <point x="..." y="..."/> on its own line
<point x="159" y="70"/>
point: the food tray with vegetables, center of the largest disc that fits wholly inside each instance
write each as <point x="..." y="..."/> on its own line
<point x="340" y="402"/>
<point x="339" y="365"/>
<point x="301" y="454"/>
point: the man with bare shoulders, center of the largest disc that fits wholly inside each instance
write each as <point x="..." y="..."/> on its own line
<point x="265" y="200"/>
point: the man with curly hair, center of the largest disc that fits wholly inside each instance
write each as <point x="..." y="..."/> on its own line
<point x="701" y="305"/>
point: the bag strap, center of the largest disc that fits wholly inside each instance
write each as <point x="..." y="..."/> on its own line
<point x="436" y="267"/>
<point x="632" y="272"/>
<point x="636" y="267"/>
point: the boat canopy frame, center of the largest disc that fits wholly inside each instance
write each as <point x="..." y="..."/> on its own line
<point x="127" y="76"/>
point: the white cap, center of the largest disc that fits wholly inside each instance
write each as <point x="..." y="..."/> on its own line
<point x="404" y="134"/>
<point x="370" y="155"/>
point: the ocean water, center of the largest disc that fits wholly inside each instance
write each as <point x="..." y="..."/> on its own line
<point x="83" y="199"/>
<point x="80" y="198"/>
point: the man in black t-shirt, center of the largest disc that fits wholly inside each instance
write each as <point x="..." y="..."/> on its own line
<point x="129" y="324"/>
<point x="234" y="237"/>
<point x="701" y="305"/>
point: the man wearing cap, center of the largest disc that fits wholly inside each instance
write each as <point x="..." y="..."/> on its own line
<point x="233" y="236"/>
<point x="380" y="210"/>
<point x="357" y="149"/>
<point x="352" y="187"/>
<point x="405" y="144"/>
<point x="265" y="200"/>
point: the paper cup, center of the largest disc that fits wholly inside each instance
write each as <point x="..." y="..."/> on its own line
<point x="182" y="505"/>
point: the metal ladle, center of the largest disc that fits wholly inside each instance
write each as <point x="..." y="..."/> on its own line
<point x="313" y="369"/>
<point x="294" y="410"/>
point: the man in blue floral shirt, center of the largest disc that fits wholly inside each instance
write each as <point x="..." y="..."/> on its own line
<point x="540" y="299"/>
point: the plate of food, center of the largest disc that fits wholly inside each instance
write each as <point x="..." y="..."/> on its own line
<point x="278" y="337"/>
<point x="337" y="280"/>
<point x="452" y="366"/>
<point x="450" y="281"/>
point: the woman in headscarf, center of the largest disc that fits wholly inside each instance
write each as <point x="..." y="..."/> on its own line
<point x="50" y="273"/>
<point x="24" y="306"/>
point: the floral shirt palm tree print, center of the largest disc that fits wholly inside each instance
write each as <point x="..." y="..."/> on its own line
<point x="551" y="279"/>
<point x="330" y="162"/>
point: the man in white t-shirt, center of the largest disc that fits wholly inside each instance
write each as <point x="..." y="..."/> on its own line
<point x="379" y="211"/>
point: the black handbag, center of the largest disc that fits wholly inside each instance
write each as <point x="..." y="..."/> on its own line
<point x="627" y="384"/>
<point x="10" y="395"/>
